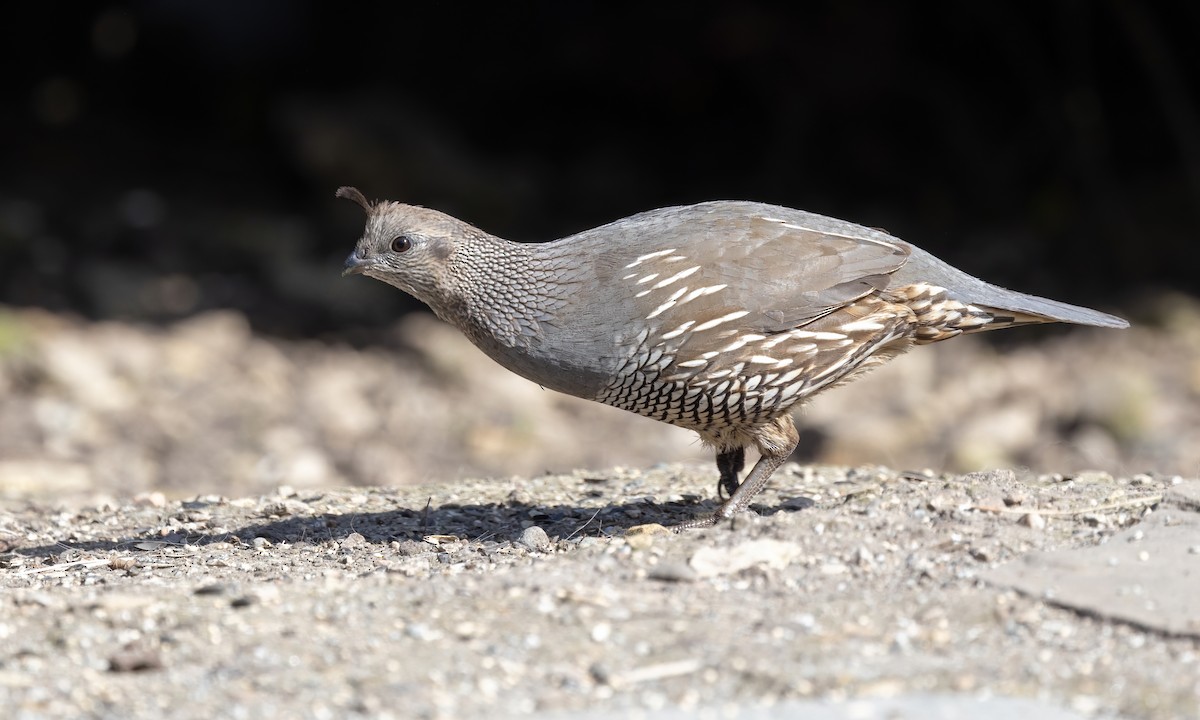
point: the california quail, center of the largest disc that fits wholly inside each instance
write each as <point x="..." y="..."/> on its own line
<point x="718" y="317"/>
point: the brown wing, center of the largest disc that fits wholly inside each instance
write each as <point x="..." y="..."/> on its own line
<point x="778" y="268"/>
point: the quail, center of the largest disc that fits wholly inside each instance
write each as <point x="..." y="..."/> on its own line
<point x="718" y="317"/>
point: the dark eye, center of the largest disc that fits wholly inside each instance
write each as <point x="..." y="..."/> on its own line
<point x="401" y="243"/>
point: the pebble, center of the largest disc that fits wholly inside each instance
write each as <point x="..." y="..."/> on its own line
<point x="466" y="630"/>
<point x="134" y="659"/>
<point x="1033" y="520"/>
<point x="1094" y="476"/>
<point x="601" y="632"/>
<point x="411" y="548"/>
<point x="150" y="499"/>
<point x="673" y="572"/>
<point x="534" y="538"/>
<point x="421" y="631"/>
<point x="640" y="537"/>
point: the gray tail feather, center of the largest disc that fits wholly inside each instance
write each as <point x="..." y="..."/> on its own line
<point x="1052" y="310"/>
<point x="923" y="267"/>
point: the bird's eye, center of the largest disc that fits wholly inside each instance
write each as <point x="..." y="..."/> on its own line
<point x="401" y="243"/>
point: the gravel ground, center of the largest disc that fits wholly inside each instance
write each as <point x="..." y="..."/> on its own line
<point x="487" y="598"/>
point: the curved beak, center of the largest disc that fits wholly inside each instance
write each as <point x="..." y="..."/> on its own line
<point x="355" y="265"/>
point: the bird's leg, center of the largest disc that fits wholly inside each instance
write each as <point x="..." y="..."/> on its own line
<point x="775" y="441"/>
<point x="729" y="464"/>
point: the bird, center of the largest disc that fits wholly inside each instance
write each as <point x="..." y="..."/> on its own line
<point x="720" y="317"/>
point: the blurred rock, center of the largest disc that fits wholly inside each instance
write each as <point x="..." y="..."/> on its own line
<point x="204" y="405"/>
<point x="42" y="478"/>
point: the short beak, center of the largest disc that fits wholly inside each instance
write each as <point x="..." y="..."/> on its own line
<point x="355" y="265"/>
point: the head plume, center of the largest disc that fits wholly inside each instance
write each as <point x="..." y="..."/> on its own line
<point x="352" y="193"/>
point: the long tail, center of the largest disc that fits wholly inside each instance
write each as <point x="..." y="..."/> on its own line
<point x="1008" y="307"/>
<point x="1021" y="309"/>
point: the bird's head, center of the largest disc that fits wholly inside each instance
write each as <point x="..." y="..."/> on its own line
<point x="406" y="246"/>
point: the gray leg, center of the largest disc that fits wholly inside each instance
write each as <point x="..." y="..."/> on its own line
<point x="730" y="464"/>
<point x="776" y="442"/>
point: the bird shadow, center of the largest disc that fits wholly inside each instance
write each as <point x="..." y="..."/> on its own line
<point x="493" y="522"/>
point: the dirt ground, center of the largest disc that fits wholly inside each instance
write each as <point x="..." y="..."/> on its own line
<point x="486" y="599"/>
<point x="199" y="522"/>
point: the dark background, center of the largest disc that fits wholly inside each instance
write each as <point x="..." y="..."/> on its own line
<point x="161" y="158"/>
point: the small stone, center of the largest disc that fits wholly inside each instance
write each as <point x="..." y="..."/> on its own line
<point x="941" y="502"/>
<point x="601" y="632"/>
<point x="466" y="630"/>
<point x="134" y="659"/>
<point x="122" y="563"/>
<point x="412" y="547"/>
<point x="981" y="554"/>
<point x="354" y="540"/>
<point x="150" y="499"/>
<point x="641" y="537"/>
<point x="1033" y="520"/>
<point x="421" y="631"/>
<point x="673" y="572"/>
<point x="864" y="557"/>
<point x="1015" y="498"/>
<point x="534" y="538"/>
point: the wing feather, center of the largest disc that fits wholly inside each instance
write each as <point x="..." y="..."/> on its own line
<point x="784" y="267"/>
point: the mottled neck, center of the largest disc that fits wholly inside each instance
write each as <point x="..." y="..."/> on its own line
<point x="508" y="293"/>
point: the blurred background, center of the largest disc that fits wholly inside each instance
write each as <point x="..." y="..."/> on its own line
<point x="171" y="311"/>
